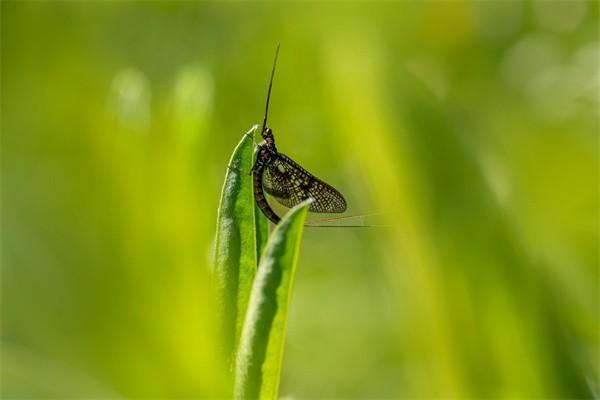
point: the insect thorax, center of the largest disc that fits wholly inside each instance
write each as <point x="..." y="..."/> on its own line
<point x="265" y="153"/>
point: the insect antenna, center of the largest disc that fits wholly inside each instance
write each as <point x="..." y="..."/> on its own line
<point x="269" y="91"/>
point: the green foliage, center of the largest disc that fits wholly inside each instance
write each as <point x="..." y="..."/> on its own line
<point x="260" y="354"/>
<point x="237" y="248"/>
<point x="474" y="122"/>
<point x="242" y="233"/>
<point x="261" y="224"/>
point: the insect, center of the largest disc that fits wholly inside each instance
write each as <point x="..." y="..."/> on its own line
<point x="282" y="178"/>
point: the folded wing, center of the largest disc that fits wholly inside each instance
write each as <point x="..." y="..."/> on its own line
<point x="290" y="184"/>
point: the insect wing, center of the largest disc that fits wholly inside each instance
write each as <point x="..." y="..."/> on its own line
<point x="290" y="184"/>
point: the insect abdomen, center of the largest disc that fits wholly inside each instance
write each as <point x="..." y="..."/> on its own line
<point x="259" y="196"/>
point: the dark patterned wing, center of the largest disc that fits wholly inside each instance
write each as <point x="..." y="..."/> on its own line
<point x="290" y="184"/>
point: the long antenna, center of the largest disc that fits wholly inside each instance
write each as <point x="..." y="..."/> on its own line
<point x="269" y="92"/>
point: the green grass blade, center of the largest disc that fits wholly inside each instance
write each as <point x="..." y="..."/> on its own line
<point x="262" y="231"/>
<point x="260" y="352"/>
<point x="235" y="247"/>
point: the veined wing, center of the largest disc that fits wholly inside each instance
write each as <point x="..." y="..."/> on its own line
<point x="290" y="184"/>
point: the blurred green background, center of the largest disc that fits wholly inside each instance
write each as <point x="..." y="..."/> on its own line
<point x="475" y="124"/>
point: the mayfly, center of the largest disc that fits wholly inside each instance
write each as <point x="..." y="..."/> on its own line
<point x="282" y="178"/>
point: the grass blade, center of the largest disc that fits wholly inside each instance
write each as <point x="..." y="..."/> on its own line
<point x="235" y="246"/>
<point x="261" y="224"/>
<point x="260" y="352"/>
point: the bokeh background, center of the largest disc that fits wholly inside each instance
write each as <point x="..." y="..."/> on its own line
<point x="474" y="125"/>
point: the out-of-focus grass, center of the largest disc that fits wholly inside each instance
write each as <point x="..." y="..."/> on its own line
<point x="475" y="123"/>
